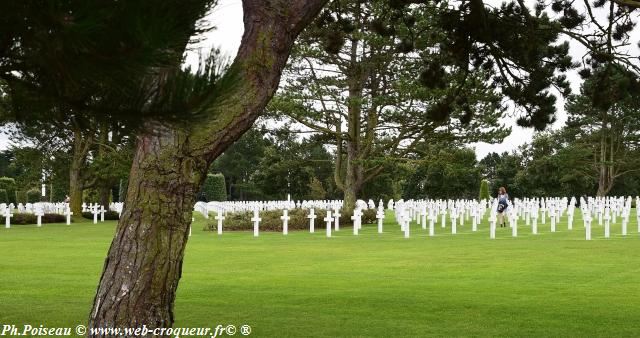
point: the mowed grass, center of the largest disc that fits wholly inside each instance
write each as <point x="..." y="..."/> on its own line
<point x="307" y="285"/>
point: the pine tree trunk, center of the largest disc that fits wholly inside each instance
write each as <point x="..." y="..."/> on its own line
<point x="76" y="187"/>
<point x="81" y="145"/>
<point x="104" y="196"/>
<point x="353" y="179"/>
<point x="144" y="263"/>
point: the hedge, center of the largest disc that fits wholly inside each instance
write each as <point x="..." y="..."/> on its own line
<point x="33" y="219"/>
<point x="108" y="215"/>
<point x="214" y="188"/>
<point x="241" y="221"/>
<point x="33" y="196"/>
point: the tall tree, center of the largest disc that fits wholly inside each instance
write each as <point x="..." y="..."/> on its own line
<point x="354" y="79"/>
<point x="605" y="119"/>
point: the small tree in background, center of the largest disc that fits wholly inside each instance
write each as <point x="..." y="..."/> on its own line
<point x="316" y="190"/>
<point x="33" y="196"/>
<point x="484" y="190"/>
<point x="3" y="196"/>
<point x="215" y="188"/>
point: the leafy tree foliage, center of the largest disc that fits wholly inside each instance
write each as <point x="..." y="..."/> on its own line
<point x="605" y="119"/>
<point x="448" y="173"/>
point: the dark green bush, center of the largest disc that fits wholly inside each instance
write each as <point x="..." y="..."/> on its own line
<point x="54" y="218"/>
<point x="108" y="215"/>
<point x="214" y="188"/>
<point x="33" y="196"/>
<point x="9" y="184"/>
<point x="3" y="196"/>
<point x="33" y="219"/>
<point x="241" y="221"/>
<point x="21" y="197"/>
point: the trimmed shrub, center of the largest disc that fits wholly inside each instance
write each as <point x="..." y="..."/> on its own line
<point x="3" y="196"/>
<point x="33" y="219"/>
<point x="108" y="215"/>
<point x="241" y="221"/>
<point x="54" y="218"/>
<point x="9" y="185"/>
<point x="33" y="196"/>
<point x="21" y="197"/>
<point x="214" y="188"/>
<point x="484" y="190"/>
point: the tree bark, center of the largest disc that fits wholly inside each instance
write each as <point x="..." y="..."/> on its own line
<point x="81" y="145"/>
<point x="144" y="263"/>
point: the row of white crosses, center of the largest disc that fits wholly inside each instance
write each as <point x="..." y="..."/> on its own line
<point x="38" y="209"/>
<point x="607" y="210"/>
<point x="332" y="214"/>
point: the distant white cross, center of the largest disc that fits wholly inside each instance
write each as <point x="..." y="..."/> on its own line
<point x="380" y="217"/>
<point x="220" y="217"/>
<point x="328" y="219"/>
<point x="68" y="214"/>
<point x="312" y="218"/>
<point x="356" y="220"/>
<point x="285" y="221"/>
<point x="256" y="222"/>
<point x="7" y="215"/>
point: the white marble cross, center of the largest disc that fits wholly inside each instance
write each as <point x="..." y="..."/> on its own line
<point x="336" y="216"/>
<point x="285" y="221"/>
<point x="328" y="219"/>
<point x="380" y="217"/>
<point x="407" y="225"/>
<point x="68" y="213"/>
<point x="256" y="222"/>
<point x="356" y="220"/>
<point x="7" y="216"/>
<point x="454" y="223"/>
<point x="312" y="218"/>
<point x="220" y="217"/>
<point x="39" y="213"/>
<point x="534" y="223"/>
<point x="95" y="212"/>
<point x="102" y="211"/>
<point x="607" y="223"/>
<point x="474" y="221"/>
<point x="492" y="226"/>
<point x="432" y="221"/>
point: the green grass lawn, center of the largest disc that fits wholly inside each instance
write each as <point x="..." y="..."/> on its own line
<point x="300" y="285"/>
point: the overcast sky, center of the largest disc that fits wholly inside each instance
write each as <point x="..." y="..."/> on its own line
<point x="227" y="18"/>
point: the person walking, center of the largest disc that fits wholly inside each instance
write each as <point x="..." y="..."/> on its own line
<point x="503" y="204"/>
